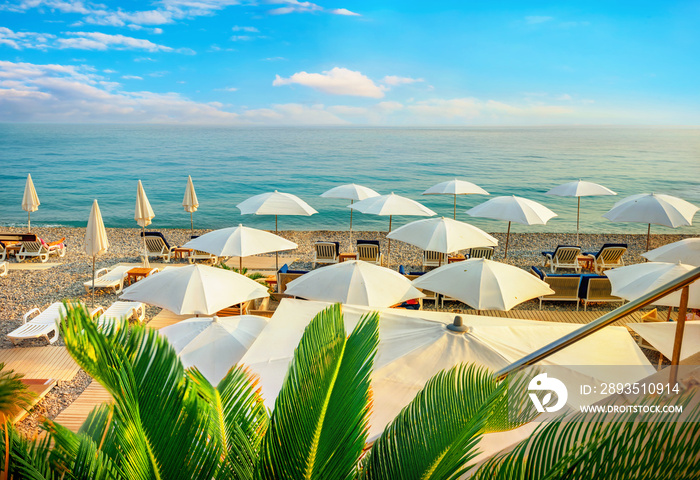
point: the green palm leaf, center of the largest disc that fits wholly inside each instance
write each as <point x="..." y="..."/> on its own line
<point x="319" y="424"/>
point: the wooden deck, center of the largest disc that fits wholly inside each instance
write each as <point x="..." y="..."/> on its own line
<point x="76" y="413"/>
<point x="566" y="316"/>
<point x="40" y="362"/>
<point x="165" y="318"/>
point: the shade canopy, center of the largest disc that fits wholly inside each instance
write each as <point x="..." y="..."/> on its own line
<point x="484" y="284"/>
<point x="96" y="241"/>
<point x="661" y="335"/>
<point x="213" y="345"/>
<point x="653" y="208"/>
<point x="354" y="282"/>
<point x="415" y="345"/>
<point x="350" y="191"/>
<point x="442" y="235"/>
<point x="513" y="209"/>
<point x="239" y="241"/>
<point x="194" y="289"/>
<point x="275" y="203"/>
<point x="685" y="251"/>
<point x="190" y="202"/>
<point x="392" y="204"/>
<point x="580" y="188"/>
<point x="143" y="213"/>
<point x="455" y="187"/>
<point x="633" y="281"/>
<point x="30" y="200"/>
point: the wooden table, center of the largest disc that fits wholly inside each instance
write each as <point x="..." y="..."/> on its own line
<point x="180" y="252"/>
<point x="456" y="258"/>
<point x="136" y="274"/>
<point x="13" y="249"/>
<point x="271" y="280"/>
<point x="586" y="262"/>
<point x="347" y="256"/>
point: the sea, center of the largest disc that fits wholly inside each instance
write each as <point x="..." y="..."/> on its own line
<point x="73" y="164"/>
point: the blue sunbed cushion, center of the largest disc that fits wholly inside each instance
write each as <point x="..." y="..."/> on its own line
<point x="605" y="245"/>
<point x="368" y="242"/>
<point x="538" y="272"/>
<point x="416" y="273"/>
<point x="157" y="234"/>
<point x="583" y="287"/>
<point x="402" y="270"/>
<point x="558" y="247"/>
<point x="283" y="268"/>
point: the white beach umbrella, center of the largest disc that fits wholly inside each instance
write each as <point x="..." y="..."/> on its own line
<point x="96" y="241"/>
<point x="653" y="208"/>
<point x="662" y="335"/>
<point x="213" y="345"/>
<point x="484" y="284"/>
<point x="685" y="251"/>
<point x="350" y="192"/>
<point x="195" y="289"/>
<point x="275" y="203"/>
<point x="240" y="242"/>
<point x="190" y="202"/>
<point x="443" y="235"/>
<point x="416" y="345"/>
<point x="455" y="187"/>
<point x="633" y="281"/>
<point x="30" y="200"/>
<point x="513" y="209"/>
<point x="354" y="282"/>
<point x="580" y="189"/>
<point x="143" y="215"/>
<point x="391" y="205"/>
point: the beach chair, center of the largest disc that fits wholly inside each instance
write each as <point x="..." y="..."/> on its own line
<point x="3" y="252"/>
<point x="203" y="256"/>
<point x="433" y="259"/>
<point x="3" y="269"/>
<point x="326" y="252"/>
<point x="598" y="289"/>
<point x="480" y="252"/>
<point x="432" y="296"/>
<point x="609" y="256"/>
<point x="368" y="251"/>
<point x="566" y="287"/>
<point x="42" y="325"/>
<point x="564" y="256"/>
<point x="285" y="275"/>
<point x="157" y="246"/>
<point x="41" y="250"/>
<point x="117" y="311"/>
<point x="110" y="279"/>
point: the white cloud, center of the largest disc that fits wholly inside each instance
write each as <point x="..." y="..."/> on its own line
<point x="103" y="41"/>
<point x="132" y="77"/>
<point x="294" y="6"/>
<point x="273" y="59"/>
<point x="238" y="28"/>
<point x="394" y="81"/>
<point x="564" y="97"/>
<point x="337" y="81"/>
<point x="343" y="11"/>
<point x="241" y="38"/>
<point x="535" y="19"/>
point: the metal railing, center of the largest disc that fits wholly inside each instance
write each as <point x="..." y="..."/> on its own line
<point x="601" y="322"/>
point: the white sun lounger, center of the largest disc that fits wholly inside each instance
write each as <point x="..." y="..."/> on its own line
<point x="41" y="326"/>
<point x="3" y="269"/>
<point x="119" y="310"/>
<point x="41" y="250"/>
<point x="110" y="279"/>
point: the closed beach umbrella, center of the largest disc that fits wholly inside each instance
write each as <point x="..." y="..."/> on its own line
<point x="275" y="203"/>
<point x="685" y="251"/>
<point x="30" y="200"/>
<point x="240" y="242"/>
<point x="653" y="208"/>
<point x="213" y="345"/>
<point x="190" y="202"/>
<point x="455" y="187"/>
<point x="391" y="205"/>
<point x="580" y="189"/>
<point x="513" y="209"/>
<point x="194" y="290"/>
<point x="143" y="215"/>
<point x="354" y="282"/>
<point x="350" y="192"/>
<point x="443" y="235"/>
<point x="633" y="281"/>
<point x="96" y="241"/>
<point x="484" y="284"/>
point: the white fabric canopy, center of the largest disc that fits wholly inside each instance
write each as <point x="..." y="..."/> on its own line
<point x="275" y="203"/>
<point x="653" y="208"/>
<point x="30" y="200"/>
<point x="213" y="345"/>
<point x="580" y="188"/>
<point x="190" y="202"/>
<point x="633" y="281"/>
<point x="442" y="235"/>
<point x="484" y="284"/>
<point x="354" y="282"/>
<point x="239" y="241"/>
<point x="685" y="251"/>
<point x="455" y="187"/>
<point x="194" y="289"/>
<point x="662" y="335"/>
<point x="350" y="191"/>
<point x="392" y="204"/>
<point x="513" y="209"/>
<point x="96" y="241"/>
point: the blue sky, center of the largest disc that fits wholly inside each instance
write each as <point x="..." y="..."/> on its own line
<point x="350" y="62"/>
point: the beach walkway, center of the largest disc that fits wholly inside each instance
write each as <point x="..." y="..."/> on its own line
<point x="41" y="362"/>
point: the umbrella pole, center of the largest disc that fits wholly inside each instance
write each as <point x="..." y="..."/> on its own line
<point x="578" y="212"/>
<point x="29" y="222"/>
<point x="454" y="211"/>
<point x="507" y="239"/>
<point x="388" y="255"/>
<point x="350" y="233"/>
<point x="277" y="255"/>
<point x="648" y="235"/>
<point x="93" y="281"/>
<point x="145" y="251"/>
<point x="240" y="264"/>
<point x="191" y="225"/>
<point x="678" y="341"/>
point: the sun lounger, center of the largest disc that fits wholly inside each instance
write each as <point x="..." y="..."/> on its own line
<point x="433" y="259"/>
<point x="157" y="246"/>
<point x="285" y="275"/>
<point x="326" y="252"/>
<point x="564" y="256"/>
<point x="428" y="294"/>
<point x="3" y="269"/>
<point x="41" y="250"/>
<point x="566" y="287"/>
<point x="609" y="256"/>
<point x="119" y="310"/>
<point x="110" y="279"/>
<point x="42" y="325"/>
<point x="368" y="251"/>
<point x="597" y="289"/>
<point x="206" y="257"/>
<point x="480" y="252"/>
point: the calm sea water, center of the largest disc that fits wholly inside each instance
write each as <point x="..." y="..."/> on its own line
<point x="73" y="164"/>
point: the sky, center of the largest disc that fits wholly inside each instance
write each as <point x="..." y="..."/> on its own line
<point x="350" y="62"/>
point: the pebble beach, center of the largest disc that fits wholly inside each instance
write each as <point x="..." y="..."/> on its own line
<point x="24" y="289"/>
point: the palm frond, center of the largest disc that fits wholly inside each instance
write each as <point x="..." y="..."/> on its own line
<point x="13" y="393"/>
<point x="319" y="423"/>
<point x="28" y="457"/>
